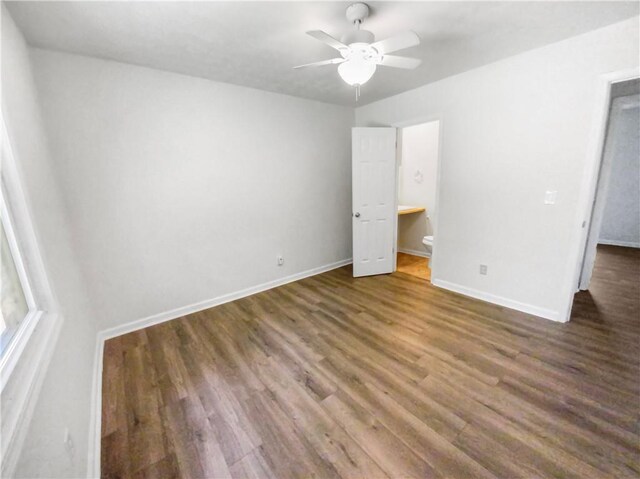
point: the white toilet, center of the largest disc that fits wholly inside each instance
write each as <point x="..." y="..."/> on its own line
<point x="427" y="241"/>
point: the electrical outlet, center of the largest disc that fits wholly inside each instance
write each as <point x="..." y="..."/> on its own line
<point x="550" y="197"/>
<point x="483" y="269"/>
<point x="280" y="260"/>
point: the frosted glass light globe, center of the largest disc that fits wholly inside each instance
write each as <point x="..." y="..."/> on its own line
<point x="356" y="71"/>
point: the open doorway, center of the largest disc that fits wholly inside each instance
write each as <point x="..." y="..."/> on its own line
<point x="615" y="217"/>
<point x="417" y="184"/>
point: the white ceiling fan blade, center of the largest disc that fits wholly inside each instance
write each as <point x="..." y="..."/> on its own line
<point x="328" y="39"/>
<point x="399" y="42"/>
<point x="333" y="61"/>
<point x="399" y="62"/>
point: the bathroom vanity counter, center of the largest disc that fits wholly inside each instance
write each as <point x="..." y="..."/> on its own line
<point x="407" y="210"/>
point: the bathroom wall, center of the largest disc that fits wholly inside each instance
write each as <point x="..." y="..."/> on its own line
<point x="417" y="184"/>
<point x="60" y="352"/>
<point x="512" y="130"/>
<point x="621" y="216"/>
<point x="181" y="190"/>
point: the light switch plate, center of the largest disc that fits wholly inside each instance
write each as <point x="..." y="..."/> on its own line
<point x="550" y="197"/>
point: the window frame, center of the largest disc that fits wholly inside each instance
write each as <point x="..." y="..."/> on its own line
<point x="18" y="227"/>
<point x="16" y="345"/>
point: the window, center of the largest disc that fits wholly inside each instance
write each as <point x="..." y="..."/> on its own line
<point x="14" y="306"/>
<point x="13" y="303"/>
<point x="29" y="319"/>
<point x="25" y="295"/>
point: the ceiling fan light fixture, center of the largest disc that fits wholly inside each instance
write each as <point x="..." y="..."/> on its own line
<point x="356" y="71"/>
<point x="360" y="53"/>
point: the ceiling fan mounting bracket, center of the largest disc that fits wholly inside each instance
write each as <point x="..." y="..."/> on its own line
<point x="357" y="12"/>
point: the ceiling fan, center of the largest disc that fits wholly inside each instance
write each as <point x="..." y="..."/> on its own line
<point x="360" y="54"/>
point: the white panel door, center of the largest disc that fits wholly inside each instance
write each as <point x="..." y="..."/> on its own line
<point x="374" y="200"/>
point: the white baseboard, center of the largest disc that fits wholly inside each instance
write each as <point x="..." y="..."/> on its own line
<point x="491" y="298"/>
<point x="210" y="303"/>
<point x="95" y="432"/>
<point x="95" y="420"/>
<point x="414" y="252"/>
<point x="628" y="244"/>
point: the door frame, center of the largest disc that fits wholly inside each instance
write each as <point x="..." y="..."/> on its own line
<point x="589" y="187"/>
<point x="433" y="264"/>
<point x="602" y="189"/>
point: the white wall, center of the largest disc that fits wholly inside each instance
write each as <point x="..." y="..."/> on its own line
<point x="621" y="216"/>
<point x="419" y="155"/>
<point x="510" y="131"/>
<point x="64" y="386"/>
<point x="182" y="189"/>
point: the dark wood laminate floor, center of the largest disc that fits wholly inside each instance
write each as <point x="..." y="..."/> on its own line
<point x="381" y="377"/>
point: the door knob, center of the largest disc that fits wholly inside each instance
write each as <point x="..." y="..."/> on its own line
<point x="357" y="215"/>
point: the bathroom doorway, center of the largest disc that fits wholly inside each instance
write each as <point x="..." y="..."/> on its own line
<point x="615" y="216"/>
<point x="419" y="147"/>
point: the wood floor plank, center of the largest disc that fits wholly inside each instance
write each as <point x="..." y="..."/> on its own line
<point x="386" y="376"/>
<point x="324" y="433"/>
<point x="146" y="437"/>
<point x="252" y="466"/>
<point x="395" y="458"/>
<point x="359" y="369"/>
<point x="197" y="449"/>
<point x="166" y="468"/>
<point x="288" y="452"/>
<point x="114" y="411"/>
<point x="416" y="433"/>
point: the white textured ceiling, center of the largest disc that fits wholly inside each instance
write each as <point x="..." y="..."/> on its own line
<point x="256" y="44"/>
